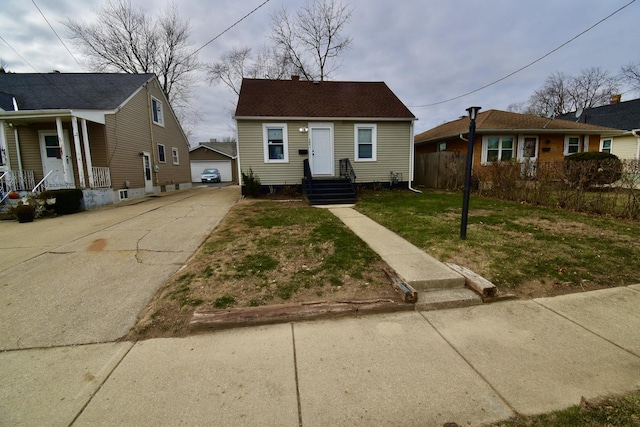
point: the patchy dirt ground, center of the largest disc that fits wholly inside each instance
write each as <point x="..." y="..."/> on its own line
<point x="249" y="262"/>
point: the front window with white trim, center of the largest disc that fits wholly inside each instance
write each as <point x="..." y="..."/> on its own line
<point x="497" y="148"/>
<point x="366" y="136"/>
<point x="275" y="141"/>
<point x="605" y="145"/>
<point x="571" y="145"/>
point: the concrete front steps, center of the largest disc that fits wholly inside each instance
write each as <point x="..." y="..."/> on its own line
<point x="438" y="285"/>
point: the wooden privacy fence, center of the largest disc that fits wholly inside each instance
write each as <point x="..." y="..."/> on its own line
<point x="444" y="170"/>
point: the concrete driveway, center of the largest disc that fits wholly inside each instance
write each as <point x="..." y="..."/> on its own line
<point x="84" y="278"/>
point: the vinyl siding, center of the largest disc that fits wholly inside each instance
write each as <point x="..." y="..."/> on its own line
<point x="393" y="150"/>
<point x="131" y="131"/>
<point x="625" y="147"/>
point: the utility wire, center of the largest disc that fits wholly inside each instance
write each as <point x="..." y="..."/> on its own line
<point x="526" y="66"/>
<point x="54" y="32"/>
<point x="230" y="27"/>
<point x="17" y="53"/>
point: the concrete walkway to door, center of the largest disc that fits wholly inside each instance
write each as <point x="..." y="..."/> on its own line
<point x="84" y="278"/>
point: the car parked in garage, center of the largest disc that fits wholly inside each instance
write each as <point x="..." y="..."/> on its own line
<point x="210" y="175"/>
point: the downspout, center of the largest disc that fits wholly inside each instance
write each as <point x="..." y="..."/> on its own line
<point x="152" y="151"/>
<point x="412" y="150"/>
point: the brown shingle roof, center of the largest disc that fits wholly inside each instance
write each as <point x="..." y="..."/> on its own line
<point x="299" y="98"/>
<point x="495" y="120"/>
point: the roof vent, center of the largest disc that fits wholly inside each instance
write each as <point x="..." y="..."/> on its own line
<point x="295" y="78"/>
<point x="616" y="98"/>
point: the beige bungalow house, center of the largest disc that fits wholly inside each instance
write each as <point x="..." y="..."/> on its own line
<point x="322" y="135"/>
<point x="114" y="136"/>
<point x="504" y="136"/>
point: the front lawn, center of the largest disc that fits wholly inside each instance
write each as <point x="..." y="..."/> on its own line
<point x="527" y="250"/>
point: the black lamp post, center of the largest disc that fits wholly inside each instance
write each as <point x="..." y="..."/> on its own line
<point x="473" y="113"/>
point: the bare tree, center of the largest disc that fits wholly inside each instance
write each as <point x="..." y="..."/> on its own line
<point x="631" y="75"/>
<point x="312" y="39"/>
<point x="126" y="39"/>
<point x="563" y="93"/>
<point x="230" y="68"/>
<point x="239" y="62"/>
<point x="592" y="88"/>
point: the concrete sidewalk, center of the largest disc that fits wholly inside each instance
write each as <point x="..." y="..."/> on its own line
<point x="469" y="365"/>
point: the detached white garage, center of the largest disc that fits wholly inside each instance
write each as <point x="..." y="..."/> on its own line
<point x="224" y="166"/>
<point x="219" y="155"/>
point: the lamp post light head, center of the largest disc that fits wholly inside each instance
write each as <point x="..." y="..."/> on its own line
<point x="473" y="112"/>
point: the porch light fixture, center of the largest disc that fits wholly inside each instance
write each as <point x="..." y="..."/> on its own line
<point x="473" y="113"/>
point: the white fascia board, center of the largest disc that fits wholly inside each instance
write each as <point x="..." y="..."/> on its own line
<point x="91" y="115"/>
<point x="326" y="119"/>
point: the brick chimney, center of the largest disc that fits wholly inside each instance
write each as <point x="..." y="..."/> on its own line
<point x="616" y="98"/>
<point x="295" y="78"/>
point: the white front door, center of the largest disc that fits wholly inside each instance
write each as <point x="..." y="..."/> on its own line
<point x="321" y="149"/>
<point x="528" y="154"/>
<point x="53" y="160"/>
<point x="146" y="168"/>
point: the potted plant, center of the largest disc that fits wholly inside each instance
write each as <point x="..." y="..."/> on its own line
<point x="25" y="213"/>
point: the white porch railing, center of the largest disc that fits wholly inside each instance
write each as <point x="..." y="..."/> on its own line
<point x="101" y="177"/>
<point x="17" y="180"/>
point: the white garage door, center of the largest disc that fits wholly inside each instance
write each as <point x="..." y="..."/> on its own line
<point x="224" y="166"/>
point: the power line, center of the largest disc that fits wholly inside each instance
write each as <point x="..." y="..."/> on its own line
<point x="17" y="53"/>
<point x="230" y="27"/>
<point x="54" y="32"/>
<point x="526" y="66"/>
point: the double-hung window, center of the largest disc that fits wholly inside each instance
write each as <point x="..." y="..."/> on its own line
<point x="571" y="145"/>
<point x="175" y="156"/>
<point x="161" y="155"/>
<point x="365" y="142"/>
<point x="497" y="148"/>
<point x="276" y="147"/>
<point x="156" y="111"/>
<point x="605" y="145"/>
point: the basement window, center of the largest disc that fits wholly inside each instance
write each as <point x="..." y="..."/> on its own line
<point x="123" y="194"/>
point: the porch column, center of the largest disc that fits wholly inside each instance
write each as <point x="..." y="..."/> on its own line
<point x="76" y="144"/>
<point x="87" y="152"/>
<point x="63" y="153"/>
<point x="4" y="148"/>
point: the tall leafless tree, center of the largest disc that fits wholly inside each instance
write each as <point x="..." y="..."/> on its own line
<point x="631" y="75"/>
<point x="313" y="38"/>
<point x="127" y="39"/>
<point x="240" y="62"/>
<point x="563" y="93"/>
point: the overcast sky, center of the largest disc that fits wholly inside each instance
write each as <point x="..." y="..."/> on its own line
<point x="427" y="51"/>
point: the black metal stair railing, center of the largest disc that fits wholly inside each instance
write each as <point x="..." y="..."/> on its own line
<point x="346" y="170"/>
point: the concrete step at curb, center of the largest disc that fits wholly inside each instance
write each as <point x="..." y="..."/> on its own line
<point x="446" y="298"/>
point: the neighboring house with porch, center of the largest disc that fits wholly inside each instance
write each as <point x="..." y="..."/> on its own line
<point x="213" y="154"/>
<point x="504" y="136"/>
<point x="114" y="136"/>
<point x="619" y="115"/>
<point x="320" y="133"/>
